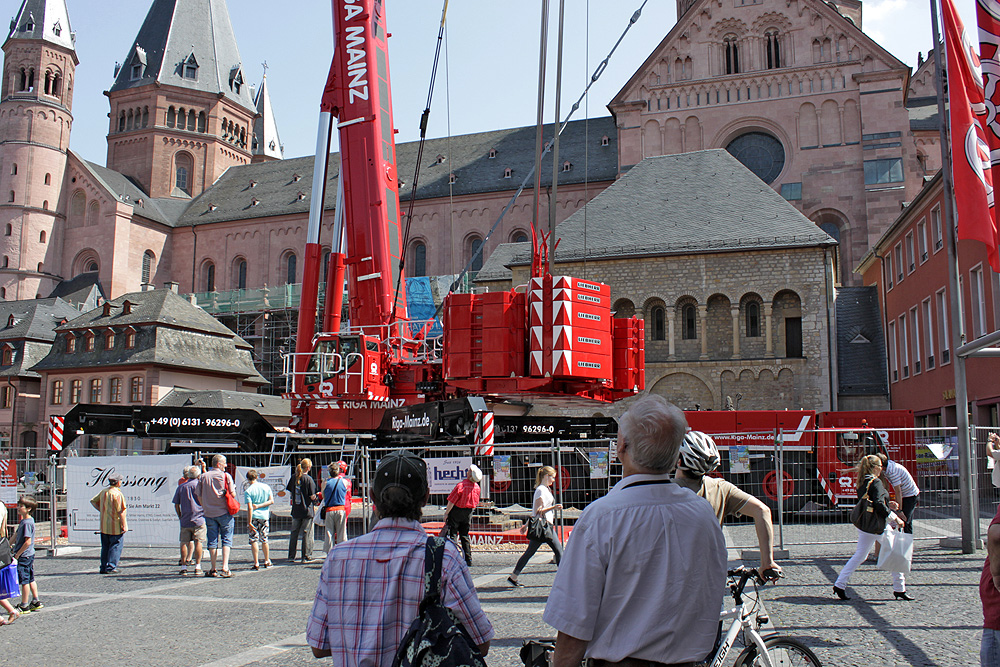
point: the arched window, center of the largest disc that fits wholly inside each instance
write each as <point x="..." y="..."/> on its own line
<point x="419" y="267"/>
<point x="183" y="167"/>
<point x="209" y="277"/>
<point x="326" y="264"/>
<point x="752" y="316"/>
<point x="241" y="274"/>
<point x="145" y="116"/>
<point x="128" y="120"/>
<point x="171" y="117"/>
<point x="658" y="318"/>
<point x="519" y="237"/>
<point x="6" y="262"/>
<point x="732" y="54"/>
<point x="8" y="355"/>
<point x="290" y="269"/>
<point x="13" y="169"/>
<point x="48" y="179"/>
<point x="78" y="208"/>
<point x="201" y="121"/>
<point x="833" y="229"/>
<point x="121" y="122"/>
<point x="41" y="236"/>
<point x="192" y="120"/>
<point x="8" y="230"/>
<point x="689" y="322"/>
<point x="475" y="253"/>
<point x="773" y="49"/>
<point x="147" y="266"/>
<point x="92" y="267"/>
<point x="93" y="214"/>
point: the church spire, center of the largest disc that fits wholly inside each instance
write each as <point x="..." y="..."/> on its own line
<point x="47" y="20"/>
<point x="174" y="49"/>
<point x="266" y="143"/>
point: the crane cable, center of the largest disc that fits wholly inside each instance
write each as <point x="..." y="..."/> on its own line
<point x="548" y="147"/>
<point x="420" y="151"/>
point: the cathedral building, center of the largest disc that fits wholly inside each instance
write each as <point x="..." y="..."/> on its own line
<point x="196" y="190"/>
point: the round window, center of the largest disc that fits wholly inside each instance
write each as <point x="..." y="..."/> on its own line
<point x="760" y="153"/>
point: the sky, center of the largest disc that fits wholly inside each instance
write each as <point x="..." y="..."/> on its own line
<point x="488" y="73"/>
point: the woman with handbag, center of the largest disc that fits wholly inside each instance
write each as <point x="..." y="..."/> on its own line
<point x="540" y="525"/>
<point x="870" y="517"/>
<point x="9" y="586"/>
<point x="302" y="488"/>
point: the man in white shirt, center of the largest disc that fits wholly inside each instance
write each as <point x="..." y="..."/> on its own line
<point x="643" y="576"/>
<point x="903" y="488"/>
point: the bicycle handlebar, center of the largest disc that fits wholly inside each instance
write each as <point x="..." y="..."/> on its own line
<point x="747" y="573"/>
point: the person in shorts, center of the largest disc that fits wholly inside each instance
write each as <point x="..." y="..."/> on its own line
<point x="24" y="553"/>
<point x="259" y="500"/>
<point x="192" y="519"/>
<point x="219" y="522"/>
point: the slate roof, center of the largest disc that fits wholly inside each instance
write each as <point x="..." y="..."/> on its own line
<point x="923" y="113"/>
<point x="169" y="332"/>
<point x="265" y="128"/>
<point x="32" y="332"/>
<point x="860" y="343"/>
<point x="704" y="201"/>
<point x="83" y="291"/>
<point x="46" y="18"/>
<point x="172" y="32"/>
<point x="263" y="404"/>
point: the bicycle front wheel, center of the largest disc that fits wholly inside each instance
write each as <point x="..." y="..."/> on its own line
<point x="783" y="652"/>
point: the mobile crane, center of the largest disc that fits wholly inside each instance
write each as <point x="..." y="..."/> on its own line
<point x="553" y="339"/>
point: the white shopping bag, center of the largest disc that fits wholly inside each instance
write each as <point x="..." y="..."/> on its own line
<point x="896" y="552"/>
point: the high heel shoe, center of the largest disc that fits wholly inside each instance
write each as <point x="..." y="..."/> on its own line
<point x="842" y="594"/>
<point x="903" y="596"/>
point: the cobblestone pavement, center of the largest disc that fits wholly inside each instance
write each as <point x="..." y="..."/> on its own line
<point x="149" y="615"/>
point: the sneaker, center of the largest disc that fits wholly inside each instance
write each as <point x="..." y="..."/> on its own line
<point x="35" y="605"/>
<point x="23" y="608"/>
<point x="184" y="570"/>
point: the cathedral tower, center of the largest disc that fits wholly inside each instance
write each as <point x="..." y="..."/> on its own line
<point x="35" y="120"/>
<point x="181" y="112"/>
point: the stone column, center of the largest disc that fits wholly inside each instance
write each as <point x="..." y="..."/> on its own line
<point x="703" y="325"/>
<point x="735" y="310"/>
<point x="671" y="328"/>
<point x="768" y="340"/>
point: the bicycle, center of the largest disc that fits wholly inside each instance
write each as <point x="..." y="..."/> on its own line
<point x="773" y="651"/>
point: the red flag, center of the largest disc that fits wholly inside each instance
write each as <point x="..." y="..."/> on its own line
<point x="971" y="164"/>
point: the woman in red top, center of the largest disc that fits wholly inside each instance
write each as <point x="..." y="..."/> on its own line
<point x="458" y="514"/>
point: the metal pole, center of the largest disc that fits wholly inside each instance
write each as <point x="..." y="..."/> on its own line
<point x="557" y="455"/>
<point x="969" y="512"/>
<point x="52" y="505"/>
<point x="553" y="196"/>
<point x="535" y="221"/>
<point x="779" y="442"/>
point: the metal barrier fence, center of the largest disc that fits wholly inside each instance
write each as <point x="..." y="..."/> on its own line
<point x="806" y="478"/>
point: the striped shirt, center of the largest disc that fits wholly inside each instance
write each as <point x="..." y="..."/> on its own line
<point x="110" y="503"/>
<point x="370" y="589"/>
<point x="901" y="477"/>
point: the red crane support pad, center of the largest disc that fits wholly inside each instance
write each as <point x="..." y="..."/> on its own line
<point x="574" y="314"/>
<point x="573" y="364"/>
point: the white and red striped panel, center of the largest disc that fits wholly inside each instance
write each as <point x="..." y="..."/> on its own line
<point x="54" y="437"/>
<point x="484" y="434"/>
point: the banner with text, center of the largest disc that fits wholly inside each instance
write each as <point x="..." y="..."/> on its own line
<point x="444" y="474"/>
<point x="8" y="482"/>
<point x="148" y="484"/>
<point x="275" y="477"/>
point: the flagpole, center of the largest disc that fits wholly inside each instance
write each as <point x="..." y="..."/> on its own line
<point x="969" y="514"/>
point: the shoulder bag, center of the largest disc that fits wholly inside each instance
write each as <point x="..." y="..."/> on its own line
<point x="6" y="553"/>
<point x="863" y="515"/>
<point x="231" y="504"/>
<point x="538" y="528"/>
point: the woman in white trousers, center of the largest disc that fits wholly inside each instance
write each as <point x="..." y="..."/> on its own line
<point x="869" y="470"/>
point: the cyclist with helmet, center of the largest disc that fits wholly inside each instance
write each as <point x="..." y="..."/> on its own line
<point x="698" y="457"/>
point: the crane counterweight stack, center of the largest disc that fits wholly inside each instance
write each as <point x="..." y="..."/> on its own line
<point x="554" y="338"/>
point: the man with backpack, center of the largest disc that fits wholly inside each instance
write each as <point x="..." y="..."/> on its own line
<point x="336" y="505"/>
<point x="370" y="587"/>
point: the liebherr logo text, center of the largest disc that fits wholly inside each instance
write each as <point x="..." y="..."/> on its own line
<point x="587" y="297"/>
<point x="410" y="422"/>
<point x="357" y="65"/>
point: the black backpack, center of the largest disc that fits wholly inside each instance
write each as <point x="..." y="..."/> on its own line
<point x="436" y="637"/>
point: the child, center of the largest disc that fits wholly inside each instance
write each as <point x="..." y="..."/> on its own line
<point x="259" y="500"/>
<point x="24" y="552"/>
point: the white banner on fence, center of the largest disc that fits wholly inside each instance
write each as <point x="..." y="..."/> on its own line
<point x="444" y="474"/>
<point x="275" y="477"/>
<point x="148" y="484"/>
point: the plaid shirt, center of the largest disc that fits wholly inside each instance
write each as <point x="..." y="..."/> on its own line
<point x="370" y="589"/>
<point x="465" y="494"/>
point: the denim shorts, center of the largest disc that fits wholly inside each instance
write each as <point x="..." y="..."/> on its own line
<point x="25" y="570"/>
<point x="220" y="526"/>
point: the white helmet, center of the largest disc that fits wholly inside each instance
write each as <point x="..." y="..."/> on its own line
<point x="698" y="454"/>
